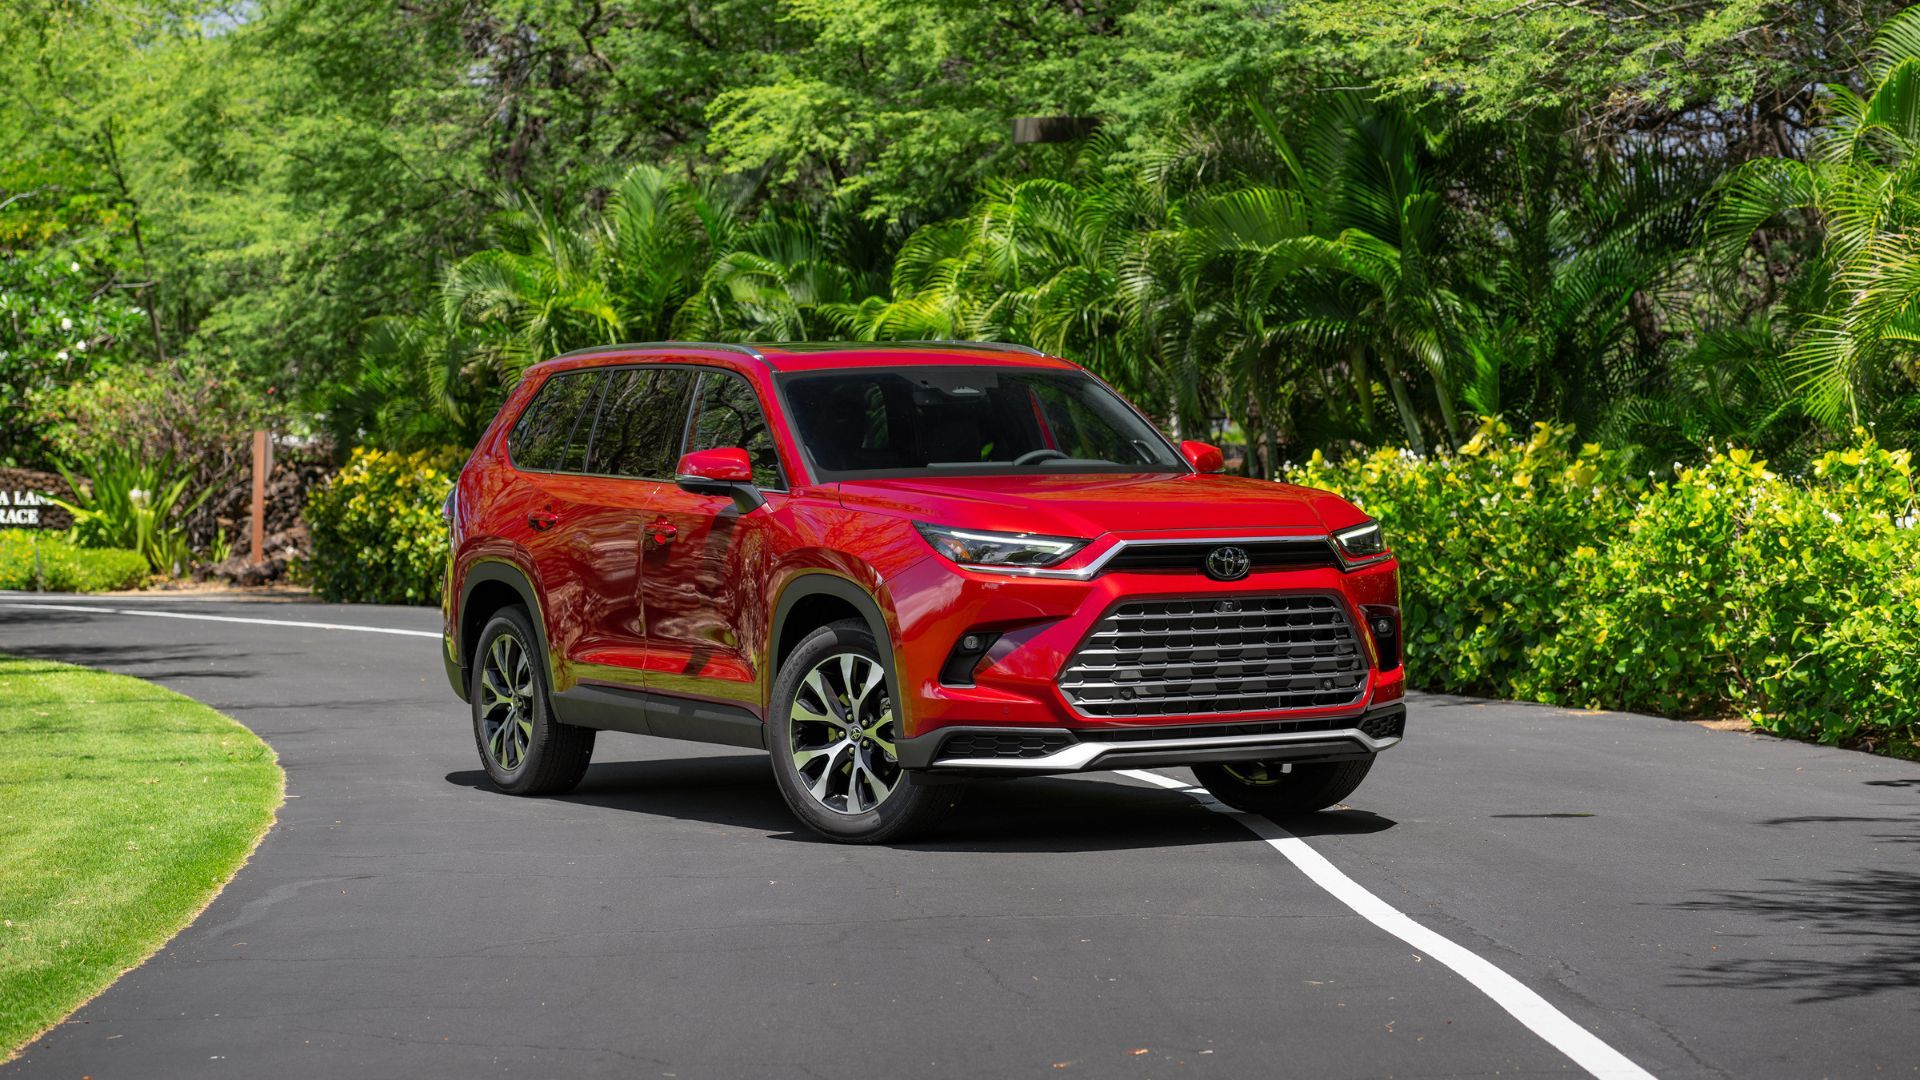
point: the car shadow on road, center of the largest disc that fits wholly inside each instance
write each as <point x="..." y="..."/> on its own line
<point x="1030" y="815"/>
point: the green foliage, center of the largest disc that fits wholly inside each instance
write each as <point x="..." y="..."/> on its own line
<point x="128" y="500"/>
<point x="42" y="561"/>
<point x="65" y="314"/>
<point x="1735" y="590"/>
<point x="1531" y="569"/>
<point x="1485" y="540"/>
<point x="1856" y="348"/>
<point x="377" y="531"/>
<point x="1627" y="63"/>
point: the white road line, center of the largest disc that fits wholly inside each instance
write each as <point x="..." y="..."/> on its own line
<point x="1532" y="1010"/>
<point x="224" y="618"/>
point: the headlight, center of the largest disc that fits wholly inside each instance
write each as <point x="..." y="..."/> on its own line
<point x="1362" y="543"/>
<point x="992" y="549"/>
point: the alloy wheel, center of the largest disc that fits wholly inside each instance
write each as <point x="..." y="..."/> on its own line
<point x="842" y="733"/>
<point x="506" y="686"/>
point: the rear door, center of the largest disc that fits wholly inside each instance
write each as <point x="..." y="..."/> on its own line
<point x="637" y="433"/>
<point x="704" y="566"/>
<point x="548" y="449"/>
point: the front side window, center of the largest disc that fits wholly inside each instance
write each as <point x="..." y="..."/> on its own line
<point x="558" y="415"/>
<point x="970" y="421"/>
<point x="726" y="413"/>
<point x="642" y="415"/>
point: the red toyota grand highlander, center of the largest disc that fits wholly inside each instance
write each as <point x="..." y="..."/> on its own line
<point x="900" y="566"/>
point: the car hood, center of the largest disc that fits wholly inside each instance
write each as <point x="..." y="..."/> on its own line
<point x="1090" y="505"/>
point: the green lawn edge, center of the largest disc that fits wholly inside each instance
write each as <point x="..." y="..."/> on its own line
<point x="124" y="809"/>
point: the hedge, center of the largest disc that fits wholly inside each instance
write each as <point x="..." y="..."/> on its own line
<point x="377" y="532"/>
<point x="65" y="567"/>
<point x="1537" y="571"/>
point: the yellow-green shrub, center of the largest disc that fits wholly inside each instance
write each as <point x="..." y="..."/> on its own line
<point x="1533" y="570"/>
<point x="1735" y="590"/>
<point x="62" y="566"/>
<point x="1484" y="538"/>
<point x="377" y="533"/>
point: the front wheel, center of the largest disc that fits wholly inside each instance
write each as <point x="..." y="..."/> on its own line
<point x="833" y="731"/>
<point x="1270" y="787"/>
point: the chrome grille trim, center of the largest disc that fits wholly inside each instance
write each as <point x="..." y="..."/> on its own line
<point x="1187" y="657"/>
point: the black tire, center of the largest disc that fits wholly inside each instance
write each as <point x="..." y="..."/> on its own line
<point x="1261" y="788"/>
<point x="523" y="748"/>
<point x="844" y="755"/>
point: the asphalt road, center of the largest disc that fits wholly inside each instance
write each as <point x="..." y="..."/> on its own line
<point x="1705" y="903"/>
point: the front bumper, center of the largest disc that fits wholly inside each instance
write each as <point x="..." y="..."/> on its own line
<point x="1016" y="718"/>
<point x="1029" y="751"/>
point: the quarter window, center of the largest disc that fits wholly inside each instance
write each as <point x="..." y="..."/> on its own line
<point x="553" y="421"/>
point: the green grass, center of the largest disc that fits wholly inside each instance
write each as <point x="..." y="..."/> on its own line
<point x="123" y="809"/>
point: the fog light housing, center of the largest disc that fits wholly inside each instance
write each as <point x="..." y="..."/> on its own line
<point x="1383" y="625"/>
<point x="966" y="656"/>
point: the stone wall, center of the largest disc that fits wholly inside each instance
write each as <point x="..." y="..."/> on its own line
<point x="22" y="500"/>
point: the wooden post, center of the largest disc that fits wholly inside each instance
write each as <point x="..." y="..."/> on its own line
<point x="260" y="467"/>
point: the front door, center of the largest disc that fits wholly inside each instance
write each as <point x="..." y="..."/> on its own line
<point x="704" y="560"/>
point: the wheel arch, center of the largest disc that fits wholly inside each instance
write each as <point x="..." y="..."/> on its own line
<point x="814" y="599"/>
<point x="488" y="586"/>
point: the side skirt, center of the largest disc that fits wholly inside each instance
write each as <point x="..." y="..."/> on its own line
<point x="664" y="716"/>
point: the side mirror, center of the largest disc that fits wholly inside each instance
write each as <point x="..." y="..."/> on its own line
<point x="1203" y="457"/>
<point x="724" y="470"/>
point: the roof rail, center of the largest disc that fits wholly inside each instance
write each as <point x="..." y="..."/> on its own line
<point x="998" y="346"/>
<point x="728" y="346"/>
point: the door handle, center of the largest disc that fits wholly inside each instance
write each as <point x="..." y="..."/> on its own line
<point x="542" y="520"/>
<point x="663" y="532"/>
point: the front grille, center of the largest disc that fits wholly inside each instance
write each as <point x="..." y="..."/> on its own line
<point x="1216" y="731"/>
<point x="1008" y="744"/>
<point x="1191" y="556"/>
<point x="1217" y="655"/>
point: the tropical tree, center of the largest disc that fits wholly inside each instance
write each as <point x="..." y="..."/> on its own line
<point x="1856" y="202"/>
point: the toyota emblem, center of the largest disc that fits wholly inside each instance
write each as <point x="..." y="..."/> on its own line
<point x="1228" y="563"/>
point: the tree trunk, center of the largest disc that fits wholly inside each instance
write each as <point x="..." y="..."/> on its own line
<point x="1409" y="423"/>
<point x="1362" y="386"/>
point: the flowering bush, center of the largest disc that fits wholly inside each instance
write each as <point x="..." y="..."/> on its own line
<point x="1484" y="539"/>
<point x="1734" y="590"/>
<point x="1536" y="571"/>
<point x="377" y="533"/>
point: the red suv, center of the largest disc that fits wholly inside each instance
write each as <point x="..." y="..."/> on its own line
<point x="900" y="566"/>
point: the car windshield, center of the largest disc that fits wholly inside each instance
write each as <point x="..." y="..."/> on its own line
<point x="969" y="420"/>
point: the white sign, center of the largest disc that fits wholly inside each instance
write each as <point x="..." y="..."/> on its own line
<point x="21" y="507"/>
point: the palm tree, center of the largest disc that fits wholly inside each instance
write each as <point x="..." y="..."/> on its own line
<point x="1332" y="264"/>
<point x="788" y="277"/>
<point x="1859" y="195"/>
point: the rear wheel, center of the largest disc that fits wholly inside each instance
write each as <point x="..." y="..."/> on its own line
<point x="833" y="731"/>
<point x="523" y="748"/>
<point x="1271" y="787"/>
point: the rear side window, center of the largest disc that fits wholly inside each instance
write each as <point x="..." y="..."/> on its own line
<point x="642" y="416"/>
<point x="726" y="413"/>
<point x="558" y="415"/>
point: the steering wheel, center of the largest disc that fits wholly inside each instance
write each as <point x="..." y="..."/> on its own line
<point x="1035" y="457"/>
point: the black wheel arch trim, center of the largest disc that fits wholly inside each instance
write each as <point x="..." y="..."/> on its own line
<point x="810" y="583"/>
<point x="484" y="571"/>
